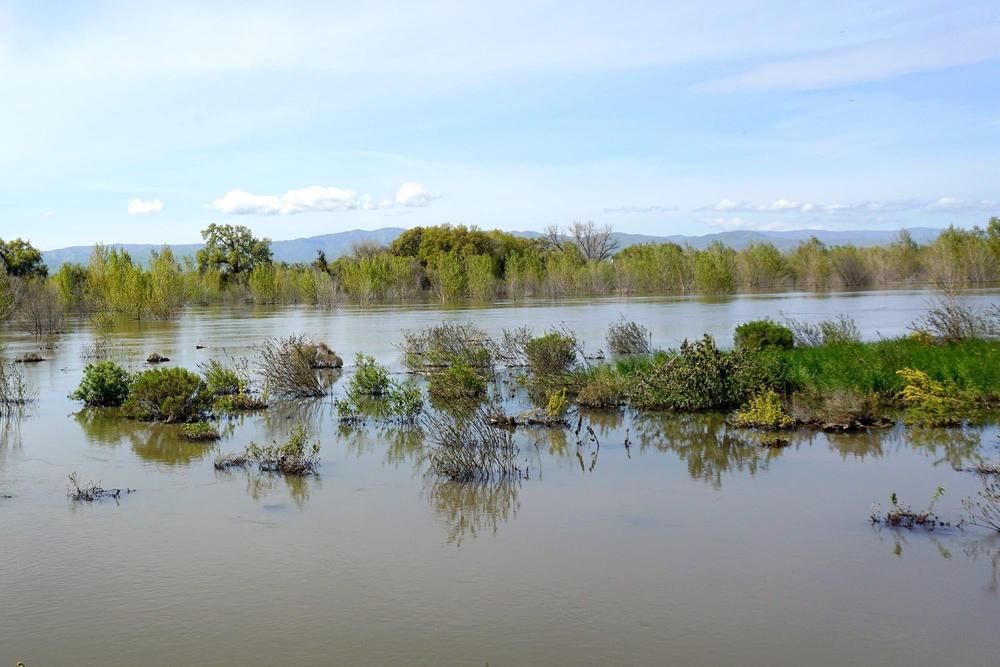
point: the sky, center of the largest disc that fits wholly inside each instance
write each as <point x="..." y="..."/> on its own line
<point x="143" y="122"/>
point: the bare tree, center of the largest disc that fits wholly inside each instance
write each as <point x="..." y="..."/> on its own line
<point x="594" y="243"/>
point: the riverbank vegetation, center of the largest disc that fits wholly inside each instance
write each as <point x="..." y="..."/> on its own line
<point x="448" y="263"/>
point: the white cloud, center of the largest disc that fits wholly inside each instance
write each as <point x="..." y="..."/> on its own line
<point x="144" y="207"/>
<point x="741" y="224"/>
<point x="318" y="198"/>
<point x="729" y="205"/>
<point x="655" y="208"/>
<point x="783" y="205"/>
<point x="49" y="214"/>
<point x="414" y="194"/>
<point x="953" y="205"/>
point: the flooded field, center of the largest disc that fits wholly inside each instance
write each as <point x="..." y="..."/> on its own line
<point x="694" y="545"/>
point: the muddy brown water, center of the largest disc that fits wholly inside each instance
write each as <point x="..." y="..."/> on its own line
<point x="694" y="546"/>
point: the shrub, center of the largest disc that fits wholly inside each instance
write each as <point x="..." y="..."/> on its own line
<point x="104" y="384"/>
<point x="763" y="410"/>
<point x="289" y="367"/>
<point x="296" y="457"/>
<point x="950" y="321"/>
<point x="509" y="350"/>
<point x="242" y="402"/>
<point x="405" y="402"/>
<point x="628" y="337"/>
<point x="200" y="431"/>
<point x="446" y="344"/>
<point x="166" y="394"/>
<point x="902" y="516"/>
<point x="14" y="390"/>
<point x="458" y="382"/>
<point x="324" y="357"/>
<point x="221" y="380"/>
<point x="371" y="378"/>
<point x="839" y="331"/>
<point x="556" y="404"/>
<point x="551" y="354"/>
<point x="759" y="334"/>
<point x="931" y="403"/>
<point x="604" y="391"/>
<point x="701" y="377"/>
<point x="470" y="448"/>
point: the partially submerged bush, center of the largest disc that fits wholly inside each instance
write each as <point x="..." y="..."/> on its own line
<point x="765" y="411"/>
<point x="221" y="380"/>
<point x="447" y="344"/>
<point x="242" y="402"/>
<point x="603" y="391"/>
<point x="288" y="366"/>
<point x="840" y="410"/>
<point x="985" y="511"/>
<point x="902" y="516"/>
<point x="166" y="394"/>
<point x="840" y="331"/>
<point x="702" y="377"/>
<point x="104" y="384"/>
<point x="458" y="382"/>
<point x="91" y="491"/>
<point x="760" y="334"/>
<point x="628" y="337"/>
<point x="931" y="403"/>
<point x="469" y="448"/>
<point x="296" y="457"/>
<point x="405" y="402"/>
<point x="14" y="389"/>
<point x="551" y="355"/>
<point x="510" y="349"/>
<point x="949" y="320"/>
<point x="370" y="379"/>
<point x="199" y="431"/>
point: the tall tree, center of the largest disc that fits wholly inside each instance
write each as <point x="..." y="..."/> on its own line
<point x="20" y="258"/>
<point x="232" y="250"/>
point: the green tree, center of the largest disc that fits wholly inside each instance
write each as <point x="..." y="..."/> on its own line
<point x="232" y="250"/>
<point x="20" y="258"/>
<point x="167" y="288"/>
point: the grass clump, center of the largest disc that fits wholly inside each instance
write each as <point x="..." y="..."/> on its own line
<point x="104" y="384"/>
<point x="288" y="366"/>
<point x="371" y="379"/>
<point x="930" y="402"/>
<point x="297" y="456"/>
<point x="764" y="411"/>
<point x="551" y="355"/>
<point x="166" y="394"/>
<point x="702" y="377"/>
<point x="199" y="432"/>
<point x="760" y="334"/>
<point x="458" y="382"/>
<point x="903" y="516"/>
<point x="627" y="337"/>
<point x="604" y="390"/>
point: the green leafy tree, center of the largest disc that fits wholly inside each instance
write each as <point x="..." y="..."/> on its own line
<point x="232" y="250"/>
<point x="20" y="258"/>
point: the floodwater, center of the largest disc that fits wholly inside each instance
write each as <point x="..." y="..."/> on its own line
<point x="693" y="546"/>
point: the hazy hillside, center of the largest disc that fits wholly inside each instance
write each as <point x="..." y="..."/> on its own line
<point x="335" y="245"/>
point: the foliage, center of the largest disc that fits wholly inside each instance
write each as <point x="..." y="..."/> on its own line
<point x="985" y="511"/>
<point x="468" y="447"/>
<point x="288" y="366"/>
<point x="166" y="394"/>
<point x="930" y="402"/>
<point x="628" y="337"/>
<point x="40" y="311"/>
<point x="14" y="389"/>
<point x="602" y="390"/>
<point x="370" y="379"/>
<point x="104" y="384"/>
<point x="21" y="259"/>
<point x="839" y="331"/>
<point x="199" y="431"/>
<point x="221" y="380"/>
<point x="297" y="456"/>
<point x="763" y="410"/>
<point x="556" y="404"/>
<point x="949" y="320"/>
<point x="701" y="377"/>
<point x="759" y="334"/>
<point x="405" y="402"/>
<point x="458" y="382"/>
<point x="446" y="344"/>
<point x="550" y="355"/>
<point x="232" y="250"/>
<point x="902" y="516"/>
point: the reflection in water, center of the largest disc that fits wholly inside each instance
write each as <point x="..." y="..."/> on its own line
<point x="470" y="509"/>
<point x="260" y="485"/>
<point x="704" y="442"/>
<point x="10" y="428"/>
<point x="957" y="447"/>
<point x="982" y="549"/>
<point x="159" y="443"/>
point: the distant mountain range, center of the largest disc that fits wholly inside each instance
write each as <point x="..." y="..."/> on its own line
<point x="341" y="243"/>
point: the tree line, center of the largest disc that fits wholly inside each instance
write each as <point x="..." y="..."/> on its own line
<point x="453" y="262"/>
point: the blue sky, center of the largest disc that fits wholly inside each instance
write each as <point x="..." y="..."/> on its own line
<point x="143" y="122"/>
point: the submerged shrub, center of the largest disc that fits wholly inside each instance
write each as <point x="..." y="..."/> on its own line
<point x="405" y="402"/>
<point x="166" y="394"/>
<point x="840" y="331"/>
<point x="14" y="389"/>
<point x="221" y="380"/>
<point x="949" y="320"/>
<point x="931" y="403"/>
<point x="199" y="431"/>
<point x="104" y="384"/>
<point x="458" y="382"/>
<point x="446" y="344"/>
<point x="701" y="377"/>
<point x="759" y="334"/>
<point x="763" y="410"/>
<point x="296" y="457"/>
<point x="628" y="337"/>
<point x="371" y="378"/>
<point x="288" y="366"/>
<point x="469" y="447"/>
<point x="902" y="516"/>
<point x="604" y="391"/>
<point x="551" y="354"/>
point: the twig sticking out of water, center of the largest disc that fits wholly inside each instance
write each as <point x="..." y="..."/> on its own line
<point x="90" y="492"/>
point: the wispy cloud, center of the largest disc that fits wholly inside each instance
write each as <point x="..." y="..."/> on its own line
<point x="316" y="198"/>
<point x="942" y="205"/>
<point x="415" y="194"/>
<point x="655" y="208"/>
<point x="144" y="207"/>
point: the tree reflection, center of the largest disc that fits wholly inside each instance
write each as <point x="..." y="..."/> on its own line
<point x="159" y="443"/>
<point x="469" y="509"/>
<point x="958" y="447"/>
<point x="261" y="485"/>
